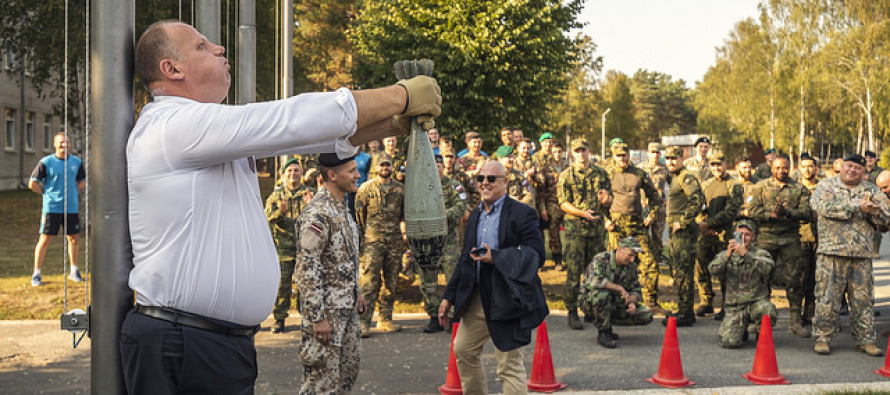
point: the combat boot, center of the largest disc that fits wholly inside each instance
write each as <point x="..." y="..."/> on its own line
<point x="870" y="349"/>
<point x="278" y="326"/>
<point x="388" y="326"/>
<point x="704" y="309"/>
<point x="683" y="319"/>
<point x="796" y="324"/>
<point x="573" y="321"/>
<point x="433" y="326"/>
<point x="822" y="347"/>
<point x="557" y="263"/>
<point x="606" y="340"/>
<point x="720" y="314"/>
<point x="365" y="327"/>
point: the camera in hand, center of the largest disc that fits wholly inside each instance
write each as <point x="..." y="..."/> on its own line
<point x="478" y="251"/>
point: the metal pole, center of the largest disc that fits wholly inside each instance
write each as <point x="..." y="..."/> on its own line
<point x="603" y="138"/>
<point x="247" y="52"/>
<point x="112" y="36"/>
<point x="287" y="49"/>
<point x="22" y="182"/>
<point x="207" y="20"/>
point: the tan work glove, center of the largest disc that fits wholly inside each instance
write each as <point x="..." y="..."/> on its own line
<point x="424" y="96"/>
<point x="403" y="123"/>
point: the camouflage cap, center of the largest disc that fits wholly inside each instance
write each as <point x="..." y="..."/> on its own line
<point x="579" y="143"/>
<point x="716" y="157"/>
<point x="616" y="140"/>
<point x="446" y="151"/>
<point x="382" y="157"/>
<point x="673" y="152"/>
<point x="654" y="146"/>
<point x="619" y="149"/>
<point x="630" y="242"/>
<point x="746" y="223"/>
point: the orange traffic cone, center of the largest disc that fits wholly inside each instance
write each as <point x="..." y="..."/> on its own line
<point x="670" y="369"/>
<point x="765" y="370"/>
<point x="452" y="380"/>
<point x="542" y="378"/>
<point x="885" y="371"/>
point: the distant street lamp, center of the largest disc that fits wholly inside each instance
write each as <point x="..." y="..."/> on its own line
<point x="603" y="150"/>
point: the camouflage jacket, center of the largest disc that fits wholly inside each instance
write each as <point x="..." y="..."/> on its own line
<point x="785" y="229"/>
<point x="844" y="230"/>
<point x="473" y="198"/>
<point x="685" y="198"/>
<point x="658" y="174"/>
<point x="379" y="209"/>
<point x="519" y="188"/>
<point x="548" y="177"/>
<point x="455" y="197"/>
<point x="873" y="174"/>
<point x="327" y="260"/>
<point x="748" y="195"/>
<point x="747" y="277"/>
<point x="763" y="171"/>
<point x="723" y="199"/>
<point x="626" y="186"/>
<point x="603" y="270"/>
<point x="808" y="230"/>
<point x="578" y="187"/>
<point x="284" y="223"/>
<point x="470" y="163"/>
<point x="699" y="168"/>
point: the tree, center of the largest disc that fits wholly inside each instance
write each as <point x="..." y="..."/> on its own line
<point x="498" y="63"/>
<point x="570" y="111"/>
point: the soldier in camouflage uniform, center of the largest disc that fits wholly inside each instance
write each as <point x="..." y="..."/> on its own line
<point x="809" y="178"/>
<point x="746" y="269"/>
<point x="518" y="187"/>
<point x="872" y="170"/>
<point x="848" y="211"/>
<point x="391" y="148"/>
<point x="698" y="165"/>
<point x="658" y="174"/>
<point x="584" y="196"/>
<point x="611" y="291"/>
<point x="455" y="205"/>
<point x="629" y="184"/>
<point x="723" y="198"/>
<point x="748" y="181"/>
<point x="283" y="207"/>
<point x="327" y="277"/>
<point x="472" y="161"/>
<point x="608" y="164"/>
<point x="379" y="211"/>
<point x="779" y="205"/>
<point x="684" y="203"/>
<point x="548" y="201"/>
<point x="764" y="170"/>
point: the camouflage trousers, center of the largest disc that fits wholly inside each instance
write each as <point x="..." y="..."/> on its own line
<point x="834" y="275"/>
<point x="789" y="270"/>
<point x="285" y="289"/>
<point x="450" y="253"/>
<point x="808" y="257"/>
<point x="706" y="250"/>
<point x="337" y="367"/>
<point x="741" y="317"/>
<point x="632" y="226"/>
<point x="682" y="252"/>
<point x="656" y="232"/>
<point x="608" y="308"/>
<point x="556" y="221"/>
<point x="583" y="242"/>
<point x="380" y="258"/>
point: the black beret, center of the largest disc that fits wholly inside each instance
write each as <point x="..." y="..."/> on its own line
<point x="329" y="159"/>
<point x="700" y="140"/>
<point x="855" y="158"/>
<point x="871" y="154"/>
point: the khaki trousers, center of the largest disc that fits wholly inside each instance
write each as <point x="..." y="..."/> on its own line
<point x="472" y="334"/>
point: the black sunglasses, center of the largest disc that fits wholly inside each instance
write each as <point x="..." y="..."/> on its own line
<point x="490" y="178"/>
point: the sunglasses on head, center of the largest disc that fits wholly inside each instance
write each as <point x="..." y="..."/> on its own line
<point x="490" y="178"/>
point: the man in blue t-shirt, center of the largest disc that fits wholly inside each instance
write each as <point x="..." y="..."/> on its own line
<point x="58" y="177"/>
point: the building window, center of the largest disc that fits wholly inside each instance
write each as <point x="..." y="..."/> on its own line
<point x="10" y="128"/>
<point x="29" y="130"/>
<point x="47" y="132"/>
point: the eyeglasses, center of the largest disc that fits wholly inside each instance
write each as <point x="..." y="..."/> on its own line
<point x="490" y="178"/>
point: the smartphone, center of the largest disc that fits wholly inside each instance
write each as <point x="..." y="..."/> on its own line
<point x="738" y="237"/>
<point x="477" y="251"/>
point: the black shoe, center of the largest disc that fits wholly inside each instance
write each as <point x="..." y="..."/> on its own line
<point x="704" y="310"/>
<point x="278" y="327"/>
<point x="877" y="313"/>
<point x="719" y="316"/>
<point x="745" y="336"/>
<point x="605" y="339"/>
<point x="588" y="318"/>
<point x="681" y="318"/>
<point x="844" y="310"/>
<point x="433" y="326"/>
<point x="574" y="322"/>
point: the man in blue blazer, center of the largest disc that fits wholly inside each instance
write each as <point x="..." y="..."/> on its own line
<point x="495" y="289"/>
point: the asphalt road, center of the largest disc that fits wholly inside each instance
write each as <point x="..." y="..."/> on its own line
<point x="36" y="357"/>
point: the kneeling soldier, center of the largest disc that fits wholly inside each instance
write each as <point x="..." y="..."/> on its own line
<point x="746" y="270"/>
<point x="611" y="291"/>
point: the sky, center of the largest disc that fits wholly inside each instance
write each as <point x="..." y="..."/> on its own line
<point x="675" y="37"/>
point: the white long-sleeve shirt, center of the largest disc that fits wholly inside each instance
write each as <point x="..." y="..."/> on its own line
<point x="200" y="240"/>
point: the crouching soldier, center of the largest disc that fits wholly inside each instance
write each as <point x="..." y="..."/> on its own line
<point x="611" y="293"/>
<point x="746" y="269"/>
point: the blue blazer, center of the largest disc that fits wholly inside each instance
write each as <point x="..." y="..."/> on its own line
<point x="518" y="227"/>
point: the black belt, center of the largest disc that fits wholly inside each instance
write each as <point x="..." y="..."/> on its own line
<point x="193" y="320"/>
